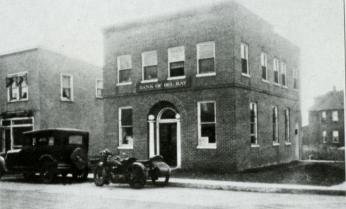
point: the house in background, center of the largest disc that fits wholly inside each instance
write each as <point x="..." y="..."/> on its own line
<point x="324" y="136"/>
<point x="42" y="89"/>
<point x="212" y="88"/>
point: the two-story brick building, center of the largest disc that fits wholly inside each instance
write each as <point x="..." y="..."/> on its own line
<point x="43" y="89"/>
<point x="210" y="88"/>
<point x="325" y="133"/>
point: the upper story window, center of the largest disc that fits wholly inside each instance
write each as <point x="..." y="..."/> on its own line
<point x="323" y="116"/>
<point x="324" y="136"/>
<point x="264" y="65"/>
<point x="206" y="59"/>
<point x="125" y="127"/>
<point x="206" y="124"/>
<point x="335" y="136"/>
<point x="124" y="65"/>
<point x="176" y="61"/>
<point x="149" y="66"/>
<point x="17" y="87"/>
<point x="244" y="55"/>
<point x="276" y="65"/>
<point x="295" y="79"/>
<point x="66" y="84"/>
<point x="275" y="125"/>
<point x="99" y="88"/>
<point x="283" y="73"/>
<point x="335" y="116"/>
<point x="253" y="123"/>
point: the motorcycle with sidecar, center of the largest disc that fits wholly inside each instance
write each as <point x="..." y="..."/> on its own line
<point x="119" y="169"/>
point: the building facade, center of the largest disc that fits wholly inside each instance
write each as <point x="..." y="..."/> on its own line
<point x="324" y="135"/>
<point x="42" y="89"/>
<point x="213" y="88"/>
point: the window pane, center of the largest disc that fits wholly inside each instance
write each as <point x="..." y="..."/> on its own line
<point x="177" y="69"/>
<point x="18" y="137"/>
<point x="276" y="76"/>
<point x="253" y="139"/>
<point x="149" y="58"/>
<point x="66" y="93"/>
<point x="24" y="121"/>
<point x="99" y="84"/>
<point x="176" y="54"/>
<point x="206" y="65"/>
<point x="126" y="135"/>
<point x="126" y="117"/>
<point x="283" y="79"/>
<point x="150" y="72"/>
<point x="124" y="62"/>
<point x="124" y="76"/>
<point x="66" y="81"/>
<point x="264" y="73"/>
<point x="75" y="139"/>
<point x="205" y="50"/>
<point x="244" y="66"/>
<point x="207" y="112"/>
<point x="208" y="130"/>
<point x="168" y="114"/>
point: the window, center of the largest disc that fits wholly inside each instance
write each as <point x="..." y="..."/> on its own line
<point x="295" y="79"/>
<point x="66" y="87"/>
<point x="335" y="116"/>
<point x="287" y="126"/>
<point x="99" y="88"/>
<point x="17" y="87"/>
<point x="336" y="136"/>
<point x="264" y="65"/>
<point x="283" y="73"/>
<point x="206" y="58"/>
<point x="253" y="123"/>
<point x="75" y="139"/>
<point x="124" y="69"/>
<point x="176" y="59"/>
<point x="13" y="137"/>
<point x="244" y="54"/>
<point x="324" y="136"/>
<point x="149" y="66"/>
<point x="125" y="127"/>
<point x="275" y="125"/>
<point x="323" y="116"/>
<point x="276" y="70"/>
<point x="206" y="124"/>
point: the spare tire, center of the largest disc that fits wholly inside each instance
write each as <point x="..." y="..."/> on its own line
<point x="79" y="158"/>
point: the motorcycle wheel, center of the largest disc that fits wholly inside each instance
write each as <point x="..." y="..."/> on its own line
<point x="137" y="178"/>
<point x="99" y="176"/>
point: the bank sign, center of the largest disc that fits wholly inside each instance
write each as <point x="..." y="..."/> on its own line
<point x="162" y="85"/>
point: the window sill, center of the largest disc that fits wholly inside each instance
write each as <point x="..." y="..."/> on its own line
<point x="275" y="144"/>
<point x="98" y="97"/>
<point x="288" y="143"/>
<point x="66" y="100"/>
<point x="285" y="87"/>
<point x="245" y="75"/>
<point x="277" y="84"/>
<point x="124" y="84"/>
<point x="125" y="147"/>
<point x="176" y="78"/>
<point x="255" y="145"/>
<point x="265" y="81"/>
<point x="206" y="74"/>
<point x="209" y="146"/>
<point x="20" y="100"/>
<point x="150" y="81"/>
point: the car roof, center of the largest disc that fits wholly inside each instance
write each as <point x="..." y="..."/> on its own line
<point x="56" y="130"/>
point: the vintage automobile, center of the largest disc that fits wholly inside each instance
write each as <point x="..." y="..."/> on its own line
<point x="49" y="152"/>
<point x="123" y="169"/>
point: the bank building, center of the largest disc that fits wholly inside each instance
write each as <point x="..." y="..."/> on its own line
<point x="209" y="88"/>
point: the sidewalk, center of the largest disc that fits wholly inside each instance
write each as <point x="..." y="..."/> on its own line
<point x="258" y="187"/>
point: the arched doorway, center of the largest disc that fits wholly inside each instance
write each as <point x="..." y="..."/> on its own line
<point x="165" y="136"/>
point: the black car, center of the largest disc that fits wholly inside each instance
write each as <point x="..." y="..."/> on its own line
<point x="49" y="152"/>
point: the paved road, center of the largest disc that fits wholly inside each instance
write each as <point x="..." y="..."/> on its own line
<point x="17" y="194"/>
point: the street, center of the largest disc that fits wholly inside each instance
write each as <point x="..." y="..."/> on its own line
<point x="15" y="194"/>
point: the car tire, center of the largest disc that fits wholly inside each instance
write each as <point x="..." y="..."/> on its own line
<point x="99" y="176"/>
<point x="47" y="171"/>
<point x="137" y="177"/>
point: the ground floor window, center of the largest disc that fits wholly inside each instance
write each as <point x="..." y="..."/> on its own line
<point x="287" y="126"/>
<point x="206" y="124"/>
<point x="125" y="127"/>
<point x="12" y="132"/>
<point x="336" y="136"/>
<point x="275" y="125"/>
<point x="253" y="123"/>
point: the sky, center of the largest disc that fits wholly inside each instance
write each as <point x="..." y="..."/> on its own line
<point x="74" y="28"/>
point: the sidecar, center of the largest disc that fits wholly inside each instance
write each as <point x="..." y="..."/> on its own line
<point x="158" y="171"/>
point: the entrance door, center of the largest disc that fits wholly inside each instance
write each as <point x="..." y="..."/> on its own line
<point x="168" y="142"/>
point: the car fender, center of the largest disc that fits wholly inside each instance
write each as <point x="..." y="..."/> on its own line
<point x="47" y="157"/>
<point x="3" y="168"/>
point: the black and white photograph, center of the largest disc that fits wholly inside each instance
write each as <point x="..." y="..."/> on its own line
<point x="185" y="104"/>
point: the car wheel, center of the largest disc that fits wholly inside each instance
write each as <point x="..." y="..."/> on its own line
<point x="99" y="176"/>
<point x="80" y="175"/>
<point x="47" y="172"/>
<point x="137" y="178"/>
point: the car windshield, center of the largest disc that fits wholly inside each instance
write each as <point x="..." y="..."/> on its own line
<point x="75" y="139"/>
<point x="43" y="141"/>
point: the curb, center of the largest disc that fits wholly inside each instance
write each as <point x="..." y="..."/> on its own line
<point x="268" y="189"/>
